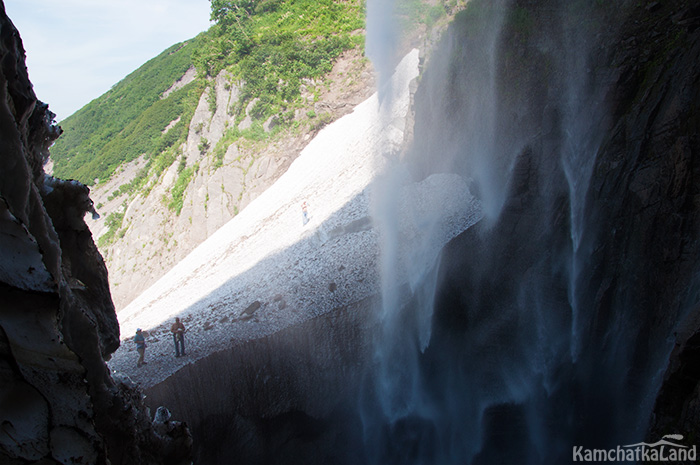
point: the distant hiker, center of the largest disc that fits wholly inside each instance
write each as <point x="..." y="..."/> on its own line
<point x="305" y="212"/>
<point x="178" y="330"/>
<point x="140" y="341"/>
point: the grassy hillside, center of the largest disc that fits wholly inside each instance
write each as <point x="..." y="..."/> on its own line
<point x="168" y="169"/>
<point x="270" y="47"/>
<point x="128" y="120"/>
<point x="277" y="53"/>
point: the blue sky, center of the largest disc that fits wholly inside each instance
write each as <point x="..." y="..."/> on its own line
<point x="78" y="49"/>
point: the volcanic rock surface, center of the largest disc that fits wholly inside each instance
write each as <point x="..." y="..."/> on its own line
<point x="58" y="401"/>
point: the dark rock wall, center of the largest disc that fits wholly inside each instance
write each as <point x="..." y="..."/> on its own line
<point x="645" y="199"/>
<point x="58" y="401"/>
<point x="558" y="317"/>
<point x="290" y="397"/>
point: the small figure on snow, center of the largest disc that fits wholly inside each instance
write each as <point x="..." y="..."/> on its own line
<point x="140" y="340"/>
<point x="305" y="212"/>
<point x="178" y="330"/>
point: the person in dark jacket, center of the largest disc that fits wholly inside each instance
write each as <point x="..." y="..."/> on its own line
<point x="178" y="330"/>
<point x="140" y="341"/>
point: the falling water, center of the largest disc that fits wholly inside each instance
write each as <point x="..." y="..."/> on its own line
<point x="493" y="357"/>
<point x="581" y="139"/>
<point x="399" y="417"/>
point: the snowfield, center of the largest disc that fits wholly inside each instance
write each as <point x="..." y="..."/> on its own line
<point x="266" y="270"/>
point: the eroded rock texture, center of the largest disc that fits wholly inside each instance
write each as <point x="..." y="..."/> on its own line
<point x="58" y="401"/>
<point x="579" y="288"/>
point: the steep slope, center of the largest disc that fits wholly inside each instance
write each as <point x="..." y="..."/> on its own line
<point x="546" y="328"/>
<point x="184" y="144"/>
<point x="199" y="192"/>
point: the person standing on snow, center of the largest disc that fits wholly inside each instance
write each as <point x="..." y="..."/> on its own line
<point x="305" y="212"/>
<point x="140" y="341"/>
<point x="178" y="330"/>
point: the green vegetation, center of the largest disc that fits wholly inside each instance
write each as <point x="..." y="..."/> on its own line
<point x="269" y="48"/>
<point x="177" y="193"/>
<point x="114" y="224"/>
<point x="230" y="136"/>
<point x="415" y="12"/>
<point x="203" y="146"/>
<point x="129" y="120"/>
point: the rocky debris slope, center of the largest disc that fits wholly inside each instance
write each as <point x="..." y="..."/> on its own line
<point x="267" y="269"/>
<point x="58" y="402"/>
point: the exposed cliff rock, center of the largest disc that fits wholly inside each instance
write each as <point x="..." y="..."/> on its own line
<point x="664" y="187"/>
<point x="576" y="290"/>
<point x="58" y="402"/>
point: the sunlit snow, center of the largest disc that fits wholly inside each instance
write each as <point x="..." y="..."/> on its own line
<point x="295" y="271"/>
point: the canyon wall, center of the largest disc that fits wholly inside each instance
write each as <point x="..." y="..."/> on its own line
<point x="568" y="316"/>
<point x="560" y="314"/>
<point x="58" y="401"/>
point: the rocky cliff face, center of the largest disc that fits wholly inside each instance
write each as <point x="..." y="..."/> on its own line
<point x="586" y="278"/>
<point x="58" y="402"/>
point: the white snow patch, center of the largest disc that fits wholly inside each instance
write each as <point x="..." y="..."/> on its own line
<point x="266" y="254"/>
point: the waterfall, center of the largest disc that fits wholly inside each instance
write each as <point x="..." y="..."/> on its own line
<point x="401" y="423"/>
<point x="501" y="349"/>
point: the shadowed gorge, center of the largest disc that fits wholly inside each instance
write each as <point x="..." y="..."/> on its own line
<point x="551" y="323"/>
<point x="513" y="280"/>
<point x="58" y="402"/>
